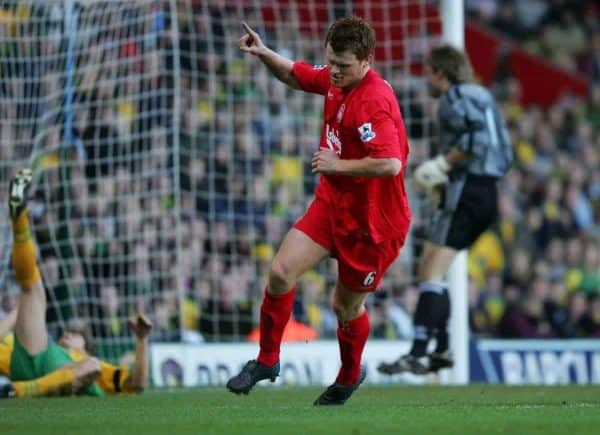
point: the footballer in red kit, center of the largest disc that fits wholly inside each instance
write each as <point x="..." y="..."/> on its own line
<point x="360" y="214"/>
<point x="368" y="216"/>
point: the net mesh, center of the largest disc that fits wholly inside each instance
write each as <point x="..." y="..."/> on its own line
<point x="169" y="166"/>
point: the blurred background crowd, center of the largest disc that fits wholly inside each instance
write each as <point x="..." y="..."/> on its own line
<point x="537" y="274"/>
<point x="171" y="167"/>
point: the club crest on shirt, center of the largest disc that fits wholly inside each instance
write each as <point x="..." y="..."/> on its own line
<point x="333" y="141"/>
<point x="319" y="66"/>
<point x="366" y="132"/>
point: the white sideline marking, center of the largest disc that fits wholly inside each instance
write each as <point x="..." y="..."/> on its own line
<point x="553" y="405"/>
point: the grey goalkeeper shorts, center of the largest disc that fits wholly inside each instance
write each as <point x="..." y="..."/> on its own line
<point x="467" y="208"/>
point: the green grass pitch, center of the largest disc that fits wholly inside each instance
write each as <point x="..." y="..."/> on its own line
<point x="373" y="410"/>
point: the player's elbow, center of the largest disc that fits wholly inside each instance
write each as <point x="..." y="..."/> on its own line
<point x="135" y="384"/>
<point x="291" y="81"/>
<point x="393" y="167"/>
<point x="138" y="388"/>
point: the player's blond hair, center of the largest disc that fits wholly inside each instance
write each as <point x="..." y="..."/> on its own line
<point x="76" y="326"/>
<point x="354" y="34"/>
<point x="453" y="63"/>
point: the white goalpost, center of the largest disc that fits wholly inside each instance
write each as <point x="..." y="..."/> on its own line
<point x="89" y="101"/>
<point x="453" y="32"/>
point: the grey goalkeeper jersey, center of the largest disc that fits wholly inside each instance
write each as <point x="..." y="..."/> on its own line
<point x="469" y="119"/>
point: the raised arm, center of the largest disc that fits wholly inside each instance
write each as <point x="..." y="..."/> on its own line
<point x="279" y="66"/>
<point x="138" y="380"/>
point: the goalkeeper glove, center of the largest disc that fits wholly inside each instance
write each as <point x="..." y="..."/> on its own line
<point x="432" y="173"/>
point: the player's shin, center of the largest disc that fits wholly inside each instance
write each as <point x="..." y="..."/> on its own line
<point x="57" y="383"/>
<point x="427" y="315"/>
<point x="275" y="313"/>
<point x="442" y="339"/>
<point x="352" y="336"/>
<point x="23" y="251"/>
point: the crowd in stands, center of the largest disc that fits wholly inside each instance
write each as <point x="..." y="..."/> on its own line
<point x="537" y="274"/>
<point x="564" y="32"/>
<point x="144" y="217"/>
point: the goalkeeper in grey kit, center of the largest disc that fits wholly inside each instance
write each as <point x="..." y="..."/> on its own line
<point x="475" y="152"/>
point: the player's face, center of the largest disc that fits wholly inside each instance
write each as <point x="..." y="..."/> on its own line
<point x="345" y="69"/>
<point x="433" y="82"/>
<point x="73" y="341"/>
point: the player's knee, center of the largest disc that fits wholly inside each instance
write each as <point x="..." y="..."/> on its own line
<point x="26" y="288"/>
<point x="346" y="311"/>
<point x="429" y="271"/>
<point x="338" y="309"/>
<point x="280" y="277"/>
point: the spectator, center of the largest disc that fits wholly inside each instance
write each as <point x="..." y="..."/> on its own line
<point x="526" y="320"/>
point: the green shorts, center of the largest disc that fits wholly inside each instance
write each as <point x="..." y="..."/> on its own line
<point x="25" y="367"/>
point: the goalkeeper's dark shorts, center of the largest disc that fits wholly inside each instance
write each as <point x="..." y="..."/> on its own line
<point x="474" y="210"/>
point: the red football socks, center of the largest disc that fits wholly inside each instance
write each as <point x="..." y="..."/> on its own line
<point x="352" y="336"/>
<point x="275" y="313"/>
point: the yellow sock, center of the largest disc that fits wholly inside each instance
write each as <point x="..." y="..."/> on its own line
<point x="23" y="251"/>
<point x="57" y="383"/>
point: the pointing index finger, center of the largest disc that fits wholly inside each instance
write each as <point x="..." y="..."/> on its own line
<point x="247" y="28"/>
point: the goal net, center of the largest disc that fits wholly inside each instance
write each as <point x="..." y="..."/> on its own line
<point x="169" y="165"/>
<point x="88" y="94"/>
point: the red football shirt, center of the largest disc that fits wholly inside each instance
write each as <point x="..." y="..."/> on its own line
<point x="364" y="121"/>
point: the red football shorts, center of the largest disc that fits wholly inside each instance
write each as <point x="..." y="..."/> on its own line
<point x="361" y="262"/>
